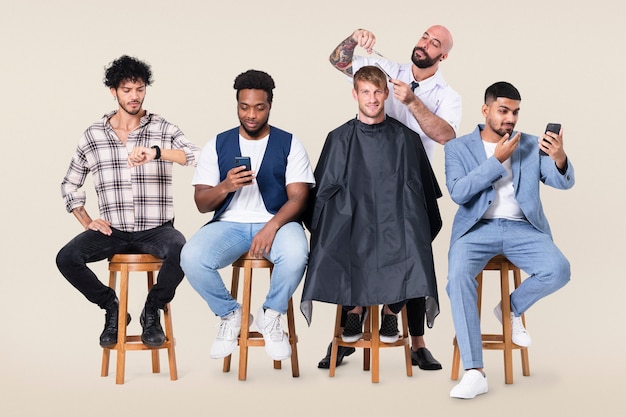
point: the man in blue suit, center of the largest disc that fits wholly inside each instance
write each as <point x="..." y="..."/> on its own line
<point x="493" y="174"/>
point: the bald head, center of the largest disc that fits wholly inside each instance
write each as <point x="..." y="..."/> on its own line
<point x="443" y="35"/>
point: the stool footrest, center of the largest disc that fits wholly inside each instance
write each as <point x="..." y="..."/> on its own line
<point x="134" y="343"/>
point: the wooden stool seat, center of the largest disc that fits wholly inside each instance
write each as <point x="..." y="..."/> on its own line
<point x="249" y="338"/>
<point x="370" y="342"/>
<point x="126" y="263"/>
<point x="501" y="341"/>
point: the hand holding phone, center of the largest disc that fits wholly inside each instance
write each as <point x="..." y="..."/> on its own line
<point x="554" y="128"/>
<point x="245" y="161"/>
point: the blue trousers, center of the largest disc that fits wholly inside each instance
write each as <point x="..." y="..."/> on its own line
<point x="532" y="251"/>
<point x="218" y="244"/>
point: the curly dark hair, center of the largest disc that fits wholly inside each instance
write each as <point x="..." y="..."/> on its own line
<point x="257" y="80"/>
<point x="127" y="68"/>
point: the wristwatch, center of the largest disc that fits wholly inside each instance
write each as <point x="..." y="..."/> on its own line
<point x="158" y="152"/>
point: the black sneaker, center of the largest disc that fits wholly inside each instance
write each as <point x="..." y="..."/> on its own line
<point x="353" y="329"/>
<point x="389" y="328"/>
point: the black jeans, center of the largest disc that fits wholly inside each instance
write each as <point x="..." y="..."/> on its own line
<point x="415" y="311"/>
<point x="164" y="242"/>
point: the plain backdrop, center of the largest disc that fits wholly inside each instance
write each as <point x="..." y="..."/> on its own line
<point x="565" y="57"/>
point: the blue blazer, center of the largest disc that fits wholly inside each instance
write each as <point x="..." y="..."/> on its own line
<point x="470" y="178"/>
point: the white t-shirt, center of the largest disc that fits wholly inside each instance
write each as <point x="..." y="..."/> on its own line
<point x="434" y="92"/>
<point x="247" y="205"/>
<point x="504" y="205"/>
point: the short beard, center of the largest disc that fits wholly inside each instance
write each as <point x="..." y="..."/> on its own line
<point x="425" y="62"/>
<point x="129" y="112"/>
<point x="254" y="133"/>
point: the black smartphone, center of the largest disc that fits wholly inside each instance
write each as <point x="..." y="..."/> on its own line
<point x="554" y="128"/>
<point x="243" y="160"/>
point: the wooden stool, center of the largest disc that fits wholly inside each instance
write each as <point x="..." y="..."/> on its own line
<point x="246" y="337"/>
<point x="499" y="341"/>
<point x="371" y="341"/>
<point x="125" y="263"/>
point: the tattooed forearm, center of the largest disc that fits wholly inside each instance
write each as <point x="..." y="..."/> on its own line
<point x="341" y="57"/>
<point x="81" y="215"/>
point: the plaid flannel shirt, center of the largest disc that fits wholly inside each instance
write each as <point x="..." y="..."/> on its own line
<point x="131" y="199"/>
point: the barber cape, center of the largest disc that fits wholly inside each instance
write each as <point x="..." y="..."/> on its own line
<point x="372" y="216"/>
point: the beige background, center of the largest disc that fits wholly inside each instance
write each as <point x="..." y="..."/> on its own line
<point x="564" y="56"/>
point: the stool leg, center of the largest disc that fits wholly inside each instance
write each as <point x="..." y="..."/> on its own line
<point x="479" y="292"/>
<point x="375" y="341"/>
<point x="106" y="353"/>
<point x="335" y="346"/>
<point x="367" y="334"/>
<point x="234" y="288"/>
<point x="506" y="324"/>
<point x="245" y="324"/>
<point x="156" y="363"/>
<point x="293" y="340"/>
<point x="278" y="364"/>
<point x="517" y="281"/>
<point x="456" y="361"/>
<point x="169" y="335"/>
<point x="407" y="346"/>
<point x="121" y="326"/>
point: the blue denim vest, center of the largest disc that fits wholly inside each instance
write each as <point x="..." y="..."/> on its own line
<point x="271" y="175"/>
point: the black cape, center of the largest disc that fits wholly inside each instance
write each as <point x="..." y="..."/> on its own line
<point x="372" y="216"/>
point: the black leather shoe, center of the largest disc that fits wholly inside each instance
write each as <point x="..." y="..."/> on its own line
<point x="424" y="359"/>
<point x="150" y="319"/>
<point x="108" y="337"/>
<point x="342" y="351"/>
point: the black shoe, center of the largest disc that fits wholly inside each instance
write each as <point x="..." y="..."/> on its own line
<point x="342" y="351"/>
<point x="150" y="319"/>
<point x="108" y="337"/>
<point x="389" y="328"/>
<point x="353" y="329"/>
<point x="424" y="359"/>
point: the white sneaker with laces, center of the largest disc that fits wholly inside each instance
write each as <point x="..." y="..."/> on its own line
<point x="227" y="334"/>
<point x="519" y="334"/>
<point x="473" y="383"/>
<point x="276" y="340"/>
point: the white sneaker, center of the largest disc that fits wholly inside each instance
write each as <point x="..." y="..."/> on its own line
<point x="227" y="334"/>
<point x="473" y="383"/>
<point x="276" y="340"/>
<point x="519" y="334"/>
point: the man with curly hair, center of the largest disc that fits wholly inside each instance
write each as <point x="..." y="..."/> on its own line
<point x="130" y="153"/>
<point x="256" y="210"/>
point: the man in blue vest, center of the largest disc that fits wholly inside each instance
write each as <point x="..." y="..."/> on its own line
<point x="257" y="210"/>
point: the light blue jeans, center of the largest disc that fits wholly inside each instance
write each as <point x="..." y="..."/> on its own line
<point x="218" y="244"/>
<point x="532" y="251"/>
